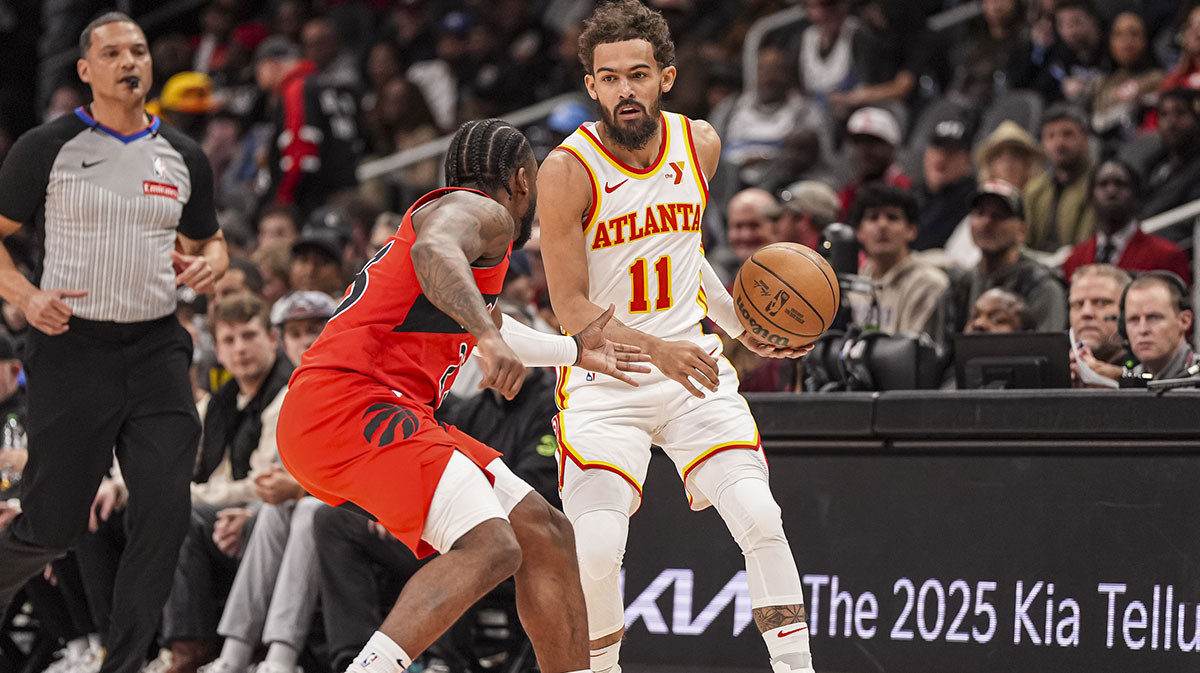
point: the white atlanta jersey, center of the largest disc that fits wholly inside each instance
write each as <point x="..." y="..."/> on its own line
<point x="643" y="231"/>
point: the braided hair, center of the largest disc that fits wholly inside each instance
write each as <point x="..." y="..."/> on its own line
<point x="486" y="154"/>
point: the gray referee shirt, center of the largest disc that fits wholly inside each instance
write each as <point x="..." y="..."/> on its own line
<point x="106" y="208"/>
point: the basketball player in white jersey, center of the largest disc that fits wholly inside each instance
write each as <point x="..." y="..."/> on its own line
<point x="620" y="224"/>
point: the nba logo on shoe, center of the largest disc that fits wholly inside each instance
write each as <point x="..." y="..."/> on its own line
<point x="591" y="376"/>
<point x="366" y="661"/>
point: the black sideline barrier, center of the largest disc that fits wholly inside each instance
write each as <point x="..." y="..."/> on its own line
<point x="955" y="532"/>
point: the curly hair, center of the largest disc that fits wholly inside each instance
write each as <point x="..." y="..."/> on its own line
<point x="622" y="20"/>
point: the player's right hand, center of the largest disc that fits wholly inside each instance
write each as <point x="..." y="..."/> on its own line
<point x="46" y="310"/>
<point x="502" y="369"/>
<point x="684" y="361"/>
<point x="598" y="354"/>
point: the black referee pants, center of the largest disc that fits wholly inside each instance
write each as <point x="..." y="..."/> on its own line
<point x="99" y="386"/>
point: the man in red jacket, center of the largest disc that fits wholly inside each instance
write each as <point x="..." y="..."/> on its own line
<point x="1119" y="239"/>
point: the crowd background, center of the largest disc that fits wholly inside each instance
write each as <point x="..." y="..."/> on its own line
<point x="991" y="161"/>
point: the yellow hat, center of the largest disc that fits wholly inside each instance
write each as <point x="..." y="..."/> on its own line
<point x="188" y="92"/>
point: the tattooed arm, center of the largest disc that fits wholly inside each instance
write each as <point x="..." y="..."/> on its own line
<point x="456" y="231"/>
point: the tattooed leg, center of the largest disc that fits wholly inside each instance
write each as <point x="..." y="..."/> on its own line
<point x="775" y="616"/>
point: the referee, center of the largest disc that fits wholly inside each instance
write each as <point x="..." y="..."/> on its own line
<point x="109" y="190"/>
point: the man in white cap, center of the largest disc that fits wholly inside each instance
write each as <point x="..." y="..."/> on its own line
<point x="300" y="317"/>
<point x="874" y="136"/>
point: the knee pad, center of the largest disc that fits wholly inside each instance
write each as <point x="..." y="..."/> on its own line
<point x="600" y="543"/>
<point x="751" y="513"/>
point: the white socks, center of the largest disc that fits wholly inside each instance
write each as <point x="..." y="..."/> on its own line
<point x="381" y="654"/>
<point x="604" y="660"/>
<point x="283" y="654"/>
<point x="235" y="655"/>
<point x="788" y="647"/>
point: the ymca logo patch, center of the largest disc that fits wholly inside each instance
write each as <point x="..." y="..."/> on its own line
<point x="395" y="416"/>
<point x="160" y="189"/>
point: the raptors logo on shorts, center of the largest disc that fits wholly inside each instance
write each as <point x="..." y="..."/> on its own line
<point x="389" y="417"/>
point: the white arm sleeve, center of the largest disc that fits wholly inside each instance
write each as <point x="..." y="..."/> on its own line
<point x="538" y="349"/>
<point x="720" y="305"/>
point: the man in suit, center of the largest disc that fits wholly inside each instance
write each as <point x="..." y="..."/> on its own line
<point x="1117" y="195"/>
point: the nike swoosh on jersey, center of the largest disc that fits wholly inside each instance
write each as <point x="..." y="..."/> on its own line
<point x="610" y="189"/>
<point x="89" y="165"/>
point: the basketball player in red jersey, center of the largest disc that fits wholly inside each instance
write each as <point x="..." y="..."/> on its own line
<point x="357" y="423"/>
<point x="636" y="244"/>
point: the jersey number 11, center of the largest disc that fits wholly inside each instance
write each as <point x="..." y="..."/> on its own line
<point x="639" y="277"/>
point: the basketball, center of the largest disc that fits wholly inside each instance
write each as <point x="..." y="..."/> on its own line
<point x="786" y="295"/>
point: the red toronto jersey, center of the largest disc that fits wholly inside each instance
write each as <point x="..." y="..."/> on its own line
<point x="387" y="329"/>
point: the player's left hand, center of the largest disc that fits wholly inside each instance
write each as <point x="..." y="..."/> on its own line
<point x="598" y="354"/>
<point x="194" y="271"/>
<point x="768" y="351"/>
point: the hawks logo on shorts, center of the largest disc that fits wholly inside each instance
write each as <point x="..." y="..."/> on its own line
<point x="390" y="417"/>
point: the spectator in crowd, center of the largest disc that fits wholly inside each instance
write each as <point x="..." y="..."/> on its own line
<point x="945" y="192"/>
<point x="800" y="158"/>
<point x="751" y="223"/>
<point x="299" y="317"/>
<point x="317" y="255"/>
<point x="273" y="596"/>
<point x="12" y="404"/>
<point x="907" y="294"/>
<point x="808" y="207"/>
<point x="762" y="118"/>
<point x="1157" y="319"/>
<point x="1119" y="239"/>
<point x="827" y="48"/>
<point x="386" y="225"/>
<point x="874" y="137"/>
<point x="63" y="101"/>
<point x="1009" y="154"/>
<point x="383" y="65"/>
<point x="1094" y="300"/>
<point x="186" y="102"/>
<point x="231" y="153"/>
<point x="993" y="44"/>
<point x="237" y="445"/>
<point x="890" y="52"/>
<point x="1174" y="178"/>
<point x="1059" y="212"/>
<point x="274" y="265"/>
<point x="999" y="311"/>
<point x="241" y="276"/>
<point x="998" y="229"/>
<point x="323" y="47"/>
<point x="1186" y="73"/>
<point x="315" y="148"/>
<point x="401" y="120"/>
<point x="278" y="226"/>
<point x="1128" y="90"/>
<point x="517" y="297"/>
<point x="1074" y="65"/>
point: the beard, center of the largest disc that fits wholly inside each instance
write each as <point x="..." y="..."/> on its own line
<point x="526" y="227"/>
<point x="633" y="137"/>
